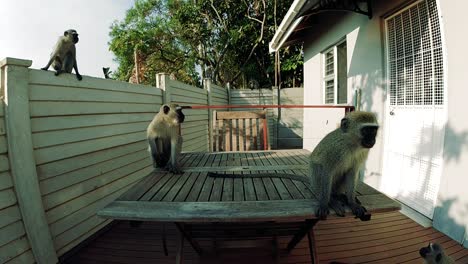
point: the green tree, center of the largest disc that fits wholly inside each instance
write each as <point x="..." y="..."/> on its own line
<point x="224" y="40"/>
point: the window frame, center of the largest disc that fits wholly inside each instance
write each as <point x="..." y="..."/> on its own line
<point x="334" y="76"/>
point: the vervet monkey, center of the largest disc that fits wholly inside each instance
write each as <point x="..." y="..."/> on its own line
<point x="336" y="161"/>
<point x="63" y="57"/>
<point x="107" y="72"/>
<point x="434" y="254"/>
<point x="165" y="141"/>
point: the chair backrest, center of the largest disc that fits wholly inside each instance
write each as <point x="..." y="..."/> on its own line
<point x="240" y="131"/>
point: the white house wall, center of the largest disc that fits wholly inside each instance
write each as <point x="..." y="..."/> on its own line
<point x="365" y="51"/>
<point x="451" y="215"/>
<point x="365" y="56"/>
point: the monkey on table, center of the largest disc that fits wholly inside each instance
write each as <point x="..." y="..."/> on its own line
<point x="434" y="254"/>
<point x="165" y="141"/>
<point x="335" y="164"/>
<point x="63" y="57"/>
<point x="337" y="159"/>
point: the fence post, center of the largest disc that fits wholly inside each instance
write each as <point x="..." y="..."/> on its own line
<point x="15" y="84"/>
<point x="207" y="86"/>
<point x="162" y="82"/>
<point x="228" y="87"/>
<point x="276" y="99"/>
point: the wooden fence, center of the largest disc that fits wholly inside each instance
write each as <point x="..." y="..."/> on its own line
<point x="68" y="147"/>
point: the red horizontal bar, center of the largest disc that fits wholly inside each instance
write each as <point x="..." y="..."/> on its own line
<point x="350" y="107"/>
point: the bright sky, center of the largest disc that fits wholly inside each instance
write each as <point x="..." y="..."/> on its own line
<point x="30" y="28"/>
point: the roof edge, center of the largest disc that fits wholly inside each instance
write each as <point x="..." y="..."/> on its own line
<point x="288" y="24"/>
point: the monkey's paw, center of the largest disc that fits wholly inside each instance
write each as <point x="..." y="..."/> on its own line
<point x="174" y="169"/>
<point x="358" y="210"/>
<point x="322" y="212"/>
<point x="338" y="207"/>
<point x="79" y="77"/>
<point x="44" y="69"/>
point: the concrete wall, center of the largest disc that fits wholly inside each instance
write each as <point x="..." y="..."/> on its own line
<point x="366" y="72"/>
<point x="290" y="125"/>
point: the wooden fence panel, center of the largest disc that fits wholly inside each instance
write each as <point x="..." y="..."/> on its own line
<point x="89" y="141"/>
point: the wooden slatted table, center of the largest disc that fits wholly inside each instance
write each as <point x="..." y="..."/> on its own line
<point x="194" y="198"/>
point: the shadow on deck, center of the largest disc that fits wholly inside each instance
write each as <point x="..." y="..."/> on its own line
<point x="387" y="238"/>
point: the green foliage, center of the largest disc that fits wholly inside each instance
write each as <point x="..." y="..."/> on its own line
<point x="193" y="39"/>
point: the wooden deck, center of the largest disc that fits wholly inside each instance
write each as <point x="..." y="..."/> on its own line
<point x="203" y="202"/>
<point x="388" y="238"/>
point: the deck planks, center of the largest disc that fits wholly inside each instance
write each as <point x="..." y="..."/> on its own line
<point x="124" y="244"/>
<point x="336" y="239"/>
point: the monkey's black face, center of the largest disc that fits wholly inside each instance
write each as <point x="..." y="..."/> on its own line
<point x="180" y="115"/>
<point x="73" y="34"/>
<point x="75" y="38"/>
<point x="431" y="253"/>
<point x="424" y="251"/>
<point x="368" y="134"/>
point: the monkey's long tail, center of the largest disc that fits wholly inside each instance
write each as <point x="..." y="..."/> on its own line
<point x="261" y="175"/>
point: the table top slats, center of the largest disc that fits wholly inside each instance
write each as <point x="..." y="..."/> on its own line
<point x="195" y="197"/>
<point x="245" y="211"/>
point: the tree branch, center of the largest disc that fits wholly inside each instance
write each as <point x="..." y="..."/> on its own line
<point x="219" y="17"/>
<point x="255" y="46"/>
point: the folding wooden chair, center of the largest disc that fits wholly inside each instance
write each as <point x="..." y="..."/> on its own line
<point x="240" y="131"/>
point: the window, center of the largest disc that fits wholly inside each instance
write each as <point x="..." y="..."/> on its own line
<point x="335" y="75"/>
<point x="415" y="60"/>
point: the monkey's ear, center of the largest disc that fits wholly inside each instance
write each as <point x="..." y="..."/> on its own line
<point x="166" y="109"/>
<point x="344" y="124"/>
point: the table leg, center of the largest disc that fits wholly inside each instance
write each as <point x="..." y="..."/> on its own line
<point x="309" y="224"/>
<point x="311" y="238"/>
<point x="180" y="249"/>
<point x="192" y="242"/>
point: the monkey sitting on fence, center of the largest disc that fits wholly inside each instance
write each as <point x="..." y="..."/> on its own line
<point x="63" y="57"/>
<point x="434" y="254"/>
<point x="165" y="141"/>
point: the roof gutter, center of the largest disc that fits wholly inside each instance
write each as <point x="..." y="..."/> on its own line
<point x="287" y="26"/>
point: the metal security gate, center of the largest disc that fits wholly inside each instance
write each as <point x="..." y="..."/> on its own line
<point x="416" y="107"/>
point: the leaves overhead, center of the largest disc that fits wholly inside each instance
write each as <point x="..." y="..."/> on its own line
<point x="195" y="39"/>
